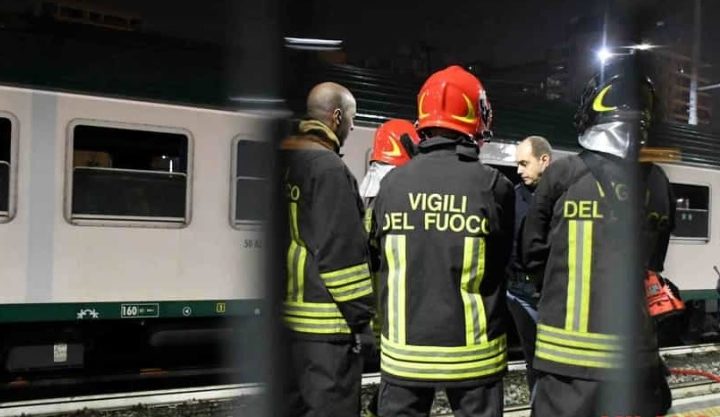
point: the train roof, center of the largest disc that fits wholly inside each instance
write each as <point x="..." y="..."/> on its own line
<point x="152" y="68"/>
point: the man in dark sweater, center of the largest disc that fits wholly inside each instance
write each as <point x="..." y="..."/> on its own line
<point x="533" y="155"/>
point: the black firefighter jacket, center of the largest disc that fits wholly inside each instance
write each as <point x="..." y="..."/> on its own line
<point x="328" y="288"/>
<point x="585" y="244"/>
<point x="443" y="224"/>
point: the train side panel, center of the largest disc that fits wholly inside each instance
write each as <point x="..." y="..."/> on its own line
<point x="45" y="259"/>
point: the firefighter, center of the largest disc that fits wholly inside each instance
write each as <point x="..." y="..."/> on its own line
<point x="596" y="221"/>
<point x="329" y="301"/>
<point x="394" y="145"/>
<point x="444" y="223"/>
<point x="533" y="155"/>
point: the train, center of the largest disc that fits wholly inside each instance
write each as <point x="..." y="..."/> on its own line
<point x="120" y="219"/>
<point x="132" y="231"/>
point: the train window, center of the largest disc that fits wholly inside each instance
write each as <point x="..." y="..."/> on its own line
<point x="250" y="191"/>
<point x="692" y="216"/>
<point x="127" y="175"/>
<point x="6" y="171"/>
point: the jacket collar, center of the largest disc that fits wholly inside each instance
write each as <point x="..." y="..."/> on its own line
<point x="464" y="148"/>
<point x="317" y="128"/>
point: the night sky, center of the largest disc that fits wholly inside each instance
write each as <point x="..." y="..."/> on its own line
<point x="489" y="32"/>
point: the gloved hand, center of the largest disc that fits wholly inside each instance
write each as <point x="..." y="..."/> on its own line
<point x="364" y="342"/>
<point x="357" y="344"/>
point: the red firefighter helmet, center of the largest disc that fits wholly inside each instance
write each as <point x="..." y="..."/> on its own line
<point x="388" y="146"/>
<point x="455" y="99"/>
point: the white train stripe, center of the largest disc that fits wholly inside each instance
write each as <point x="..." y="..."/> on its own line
<point x="42" y="202"/>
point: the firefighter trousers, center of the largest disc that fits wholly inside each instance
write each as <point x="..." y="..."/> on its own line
<point x="560" y="396"/>
<point x="324" y="380"/>
<point x="477" y="401"/>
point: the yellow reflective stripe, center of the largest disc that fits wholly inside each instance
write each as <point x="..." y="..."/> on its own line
<point x="464" y="283"/>
<point x="482" y="320"/>
<point x="352" y="291"/>
<point x="318" y="318"/>
<point x="499" y="342"/>
<point x="575" y="362"/>
<point x="577" y="343"/>
<point x="443" y="371"/>
<point x="395" y="255"/>
<point x="447" y="366"/>
<point x="317" y="325"/>
<point x="345" y="275"/>
<point x="294" y="227"/>
<point x="291" y="272"/>
<point x="572" y="256"/>
<point x="579" y="274"/>
<point x="301" y="272"/>
<point x="600" y="337"/>
<point x="595" y="350"/>
<point x="326" y="306"/>
<point x="296" y="258"/>
<point x="579" y="352"/>
<point x="448" y="354"/>
<point x="351" y="270"/>
<point x="312" y="309"/>
<point x="586" y="274"/>
<point x="402" y="262"/>
<point x="392" y="284"/>
<point x="472" y="274"/>
<point x="576" y="357"/>
<point x="367" y="220"/>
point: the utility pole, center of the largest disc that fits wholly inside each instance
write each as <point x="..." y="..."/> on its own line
<point x="695" y="64"/>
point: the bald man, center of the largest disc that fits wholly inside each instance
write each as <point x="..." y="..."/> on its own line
<point x="334" y="107"/>
<point x="532" y="155"/>
<point x="328" y="299"/>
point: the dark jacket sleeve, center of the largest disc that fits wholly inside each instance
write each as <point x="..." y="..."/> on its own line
<point x="505" y="196"/>
<point x="521" y="208"/>
<point x="657" y="258"/>
<point x="535" y="245"/>
<point x="341" y="245"/>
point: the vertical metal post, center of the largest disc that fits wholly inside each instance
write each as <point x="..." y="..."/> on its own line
<point x="254" y="84"/>
<point x="693" y="101"/>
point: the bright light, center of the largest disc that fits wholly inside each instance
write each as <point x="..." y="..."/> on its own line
<point x="313" y="43"/>
<point x="371" y="116"/>
<point x="604" y="54"/>
<point x="643" y="46"/>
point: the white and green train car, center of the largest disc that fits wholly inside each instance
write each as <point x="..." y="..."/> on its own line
<point x="130" y="231"/>
<point x="125" y="225"/>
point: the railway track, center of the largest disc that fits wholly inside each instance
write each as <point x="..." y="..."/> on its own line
<point x="109" y="402"/>
<point x="226" y="394"/>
